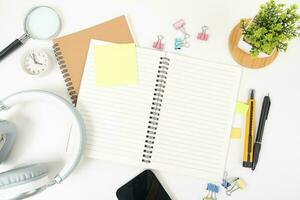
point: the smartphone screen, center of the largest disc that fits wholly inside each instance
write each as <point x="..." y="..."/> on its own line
<point x="145" y="186"/>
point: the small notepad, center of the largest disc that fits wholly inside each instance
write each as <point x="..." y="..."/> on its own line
<point x="235" y="133"/>
<point x="241" y="108"/>
<point x="115" y="65"/>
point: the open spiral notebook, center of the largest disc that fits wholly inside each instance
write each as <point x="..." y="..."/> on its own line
<point x="178" y="118"/>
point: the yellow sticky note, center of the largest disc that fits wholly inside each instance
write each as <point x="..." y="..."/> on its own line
<point x="116" y="64"/>
<point x="241" y="108"/>
<point x="235" y="133"/>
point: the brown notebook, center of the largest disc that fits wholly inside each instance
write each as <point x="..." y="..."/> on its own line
<point x="71" y="50"/>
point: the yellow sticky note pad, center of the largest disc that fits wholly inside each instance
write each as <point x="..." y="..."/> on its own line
<point x="241" y="108"/>
<point x="235" y="133"/>
<point x="116" y="64"/>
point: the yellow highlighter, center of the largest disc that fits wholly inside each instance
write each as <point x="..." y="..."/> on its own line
<point x="249" y="131"/>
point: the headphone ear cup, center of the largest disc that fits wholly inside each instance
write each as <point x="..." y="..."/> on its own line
<point x="19" y="177"/>
<point x="8" y="133"/>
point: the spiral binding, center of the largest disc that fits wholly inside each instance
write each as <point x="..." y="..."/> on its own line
<point x="159" y="90"/>
<point x="65" y="73"/>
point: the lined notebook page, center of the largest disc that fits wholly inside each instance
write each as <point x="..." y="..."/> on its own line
<point x="116" y="118"/>
<point x="196" y="118"/>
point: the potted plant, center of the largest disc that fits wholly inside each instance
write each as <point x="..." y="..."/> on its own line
<point x="270" y="30"/>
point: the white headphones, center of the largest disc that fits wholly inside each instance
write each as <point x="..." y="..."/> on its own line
<point x="29" y="180"/>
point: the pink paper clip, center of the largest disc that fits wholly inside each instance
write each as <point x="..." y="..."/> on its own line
<point x="203" y="35"/>
<point x="180" y="25"/>
<point x="158" y="44"/>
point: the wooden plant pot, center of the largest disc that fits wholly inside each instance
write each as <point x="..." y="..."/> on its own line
<point x="243" y="58"/>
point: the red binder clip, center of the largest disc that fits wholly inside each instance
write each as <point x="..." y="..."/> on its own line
<point x="158" y="44"/>
<point x="203" y="35"/>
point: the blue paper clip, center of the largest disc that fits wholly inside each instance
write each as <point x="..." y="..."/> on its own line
<point x="179" y="43"/>
<point x="212" y="188"/>
<point x="225" y="183"/>
<point x="232" y="184"/>
<point x="212" y="192"/>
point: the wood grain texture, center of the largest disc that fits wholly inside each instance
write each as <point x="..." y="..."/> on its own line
<point x="244" y="58"/>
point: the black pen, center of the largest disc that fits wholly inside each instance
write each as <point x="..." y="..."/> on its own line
<point x="260" y="131"/>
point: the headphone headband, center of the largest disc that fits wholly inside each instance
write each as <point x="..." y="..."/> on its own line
<point x="78" y="126"/>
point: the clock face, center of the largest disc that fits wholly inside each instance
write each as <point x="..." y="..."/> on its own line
<point x="36" y="62"/>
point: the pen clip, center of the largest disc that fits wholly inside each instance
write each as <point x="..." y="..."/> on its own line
<point x="268" y="101"/>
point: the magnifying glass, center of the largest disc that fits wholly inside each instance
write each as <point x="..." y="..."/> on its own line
<point x="42" y="23"/>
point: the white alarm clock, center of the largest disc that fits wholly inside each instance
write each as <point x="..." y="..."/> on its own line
<point x="36" y="62"/>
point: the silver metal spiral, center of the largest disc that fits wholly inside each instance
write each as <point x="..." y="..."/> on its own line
<point x="159" y="89"/>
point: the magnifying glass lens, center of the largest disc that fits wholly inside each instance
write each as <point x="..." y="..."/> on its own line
<point x="42" y="23"/>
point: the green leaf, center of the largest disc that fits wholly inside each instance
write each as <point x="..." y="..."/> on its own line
<point x="273" y="27"/>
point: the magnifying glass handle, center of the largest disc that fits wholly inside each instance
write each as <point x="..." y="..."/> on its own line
<point x="13" y="46"/>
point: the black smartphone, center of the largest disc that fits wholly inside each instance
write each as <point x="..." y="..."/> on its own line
<point x="145" y="186"/>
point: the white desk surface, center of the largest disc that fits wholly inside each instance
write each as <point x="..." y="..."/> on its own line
<point x="42" y="135"/>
